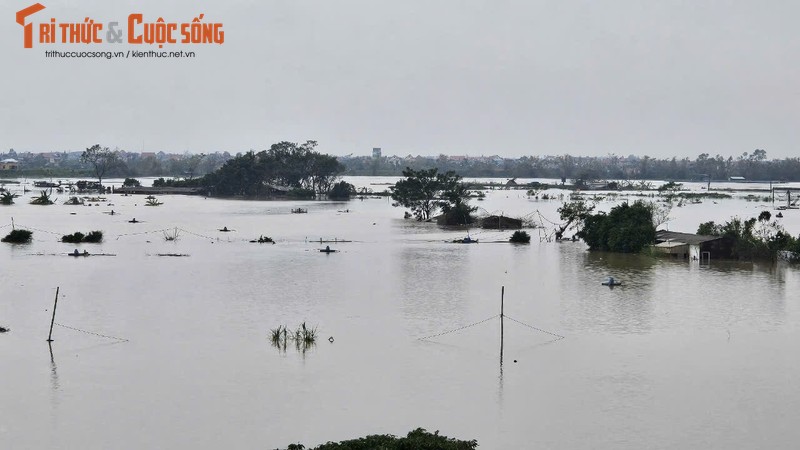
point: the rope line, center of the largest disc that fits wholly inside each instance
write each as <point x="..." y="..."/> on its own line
<point x="459" y="329"/>
<point x="533" y="327"/>
<point x="90" y="332"/>
<point x="142" y="232"/>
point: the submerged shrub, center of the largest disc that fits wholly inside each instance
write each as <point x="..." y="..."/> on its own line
<point x="416" y="439"/>
<point x="74" y="238"/>
<point x="42" y="199"/>
<point x="520" y="237"/>
<point x="78" y="237"/>
<point x="94" y="237"/>
<point x="18" y="237"/>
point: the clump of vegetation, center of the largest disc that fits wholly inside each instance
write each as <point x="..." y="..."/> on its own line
<point x="7" y="198"/>
<point x="94" y="237"/>
<point x="42" y="199"/>
<point x="425" y="191"/>
<point x="304" y="337"/>
<point x="4" y="330"/>
<point x="77" y="237"/>
<point x="520" y="237"/>
<point x="74" y="201"/>
<point x="18" y="236"/>
<point x="341" y="191"/>
<point x="264" y="240"/>
<point x="74" y="238"/>
<point x="172" y="236"/>
<point x="754" y="238"/>
<point x="417" y="439"/>
<point x="625" y="229"/>
<point x="131" y="182"/>
<point x="152" y="201"/>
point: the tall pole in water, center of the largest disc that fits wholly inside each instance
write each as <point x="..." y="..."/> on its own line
<point x="53" y="320"/>
<point x="502" y="295"/>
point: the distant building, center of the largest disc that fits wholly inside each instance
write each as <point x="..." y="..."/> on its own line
<point x="376" y="152"/>
<point x="9" y="164"/>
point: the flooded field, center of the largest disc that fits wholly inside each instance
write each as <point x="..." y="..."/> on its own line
<point x="681" y="356"/>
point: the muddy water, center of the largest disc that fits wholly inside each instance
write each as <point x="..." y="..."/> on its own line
<point x="680" y="356"/>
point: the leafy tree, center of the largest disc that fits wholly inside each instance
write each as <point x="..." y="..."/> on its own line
<point x="426" y="190"/>
<point x="101" y="159"/>
<point x="709" y="229"/>
<point x="454" y="199"/>
<point x="418" y="191"/>
<point x="573" y="213"/>
<point x="132" y="182"/>
<point x="625" y="229"/>
<point x="285" y="164"/>
<point x="342" y="191"/>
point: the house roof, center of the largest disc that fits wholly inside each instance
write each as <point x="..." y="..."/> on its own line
<point x="685" y="238"/>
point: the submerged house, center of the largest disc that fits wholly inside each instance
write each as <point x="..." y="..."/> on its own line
<point x="692" y="246"/>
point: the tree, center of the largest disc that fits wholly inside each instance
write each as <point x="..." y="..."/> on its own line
<point x="572" y="213"/>
<point x="285" y="164"/>
<point x="417" y="191"/>
<point x="341" y="191"/>
<point x="101" y="159"/>
<point x="625" y="229"/>
<point x="454" y="200"/>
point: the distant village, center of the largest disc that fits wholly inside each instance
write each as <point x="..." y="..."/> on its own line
<point x="753" y="166"/>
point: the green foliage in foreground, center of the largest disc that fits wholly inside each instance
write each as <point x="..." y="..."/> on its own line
<point x="18" y="237"/>
<point x="418" y="439"/>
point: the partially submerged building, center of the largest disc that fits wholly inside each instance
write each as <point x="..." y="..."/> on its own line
<point x="692" y="246"/>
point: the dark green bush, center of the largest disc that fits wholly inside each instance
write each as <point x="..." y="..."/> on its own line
<point x="78" y="237"/>
<point x="418" y="439"/>
<point x="520" y="237"/>
<point x="18" y="237"/>
<point x="94" y="237"/>
<point x="74" y="238"/>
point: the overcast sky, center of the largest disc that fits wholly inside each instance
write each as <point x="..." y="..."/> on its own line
<point x="513" y="78"/>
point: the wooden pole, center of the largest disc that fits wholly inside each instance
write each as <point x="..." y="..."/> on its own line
<point x="502" y="295"/>
<point x="53" y="320"/>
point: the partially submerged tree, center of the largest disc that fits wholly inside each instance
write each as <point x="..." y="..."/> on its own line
<point x="341" y="191"/>
<point x="425" y="190"/>
<point x="101" y="159"/>
<point x="625" y="229"/>
<point x="573" y="214"/>
<point x="417" y="191"/>
<point x="284" y="165"/>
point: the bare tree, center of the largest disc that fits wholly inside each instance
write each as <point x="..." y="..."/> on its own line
<point x="101" y="159"/>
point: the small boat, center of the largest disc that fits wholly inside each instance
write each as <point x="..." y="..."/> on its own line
<point x="466" y="240"/>
<point x="611" y="282"/>
<point x="327" y="249"/>
<point x="779" y="215"/>
<point x="299" y="211"/>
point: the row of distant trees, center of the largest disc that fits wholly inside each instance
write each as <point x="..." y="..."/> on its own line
<point x="752" y="166"/>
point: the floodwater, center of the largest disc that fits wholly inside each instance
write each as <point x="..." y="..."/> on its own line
<point x="681" y="356"/>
